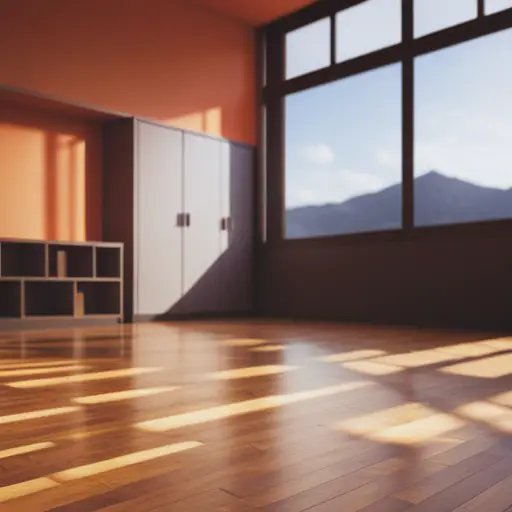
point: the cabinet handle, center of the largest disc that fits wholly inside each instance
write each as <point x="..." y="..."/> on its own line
<point x="179" y="220"/>
<point x="187" y="220"/>
<point x="223" y="224"/>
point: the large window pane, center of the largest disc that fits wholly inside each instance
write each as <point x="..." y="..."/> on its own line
<point x="343" y="156"/>
<point x="367" y="27"/>
<point x="463" y="132"/>
<point x="492" y="6"/>
<point x="434" y="15"/>
<point x="308" y="48"/>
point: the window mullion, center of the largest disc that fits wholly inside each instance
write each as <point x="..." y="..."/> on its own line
<point x="333" y="40"/>
<point x="407" y="118"/>
<point x="481" y="8"/>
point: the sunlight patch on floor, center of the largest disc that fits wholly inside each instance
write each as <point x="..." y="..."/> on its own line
<point x="19" y="490"/>
<point x="471" y="349"/>
<point x="500" y="343"/>
<point x="123" y="461"/>
<point x="397" y="415"/>
<point x="490" y="368"/>
<point x="23" y="450"/>
<point x="251" y="371"/>
<point x="406" y="424"/>
<point x="87" y="377"/>
<point x="418" y="359"/>
<point x="122" y="395"/>
<point x="372" y="368"/>
<point x="420" y="431"/>
<point x="495" y="416"/>
<point x="244" y="342"/>
<point x="503" y="399"/>
<point x="351" y="356"/>
<point x="42" y="371"/>
<point x="20" y="364"/>
<point x="240" y="408"/>
<point x="11" y="492"/>
<point x="268" y="348"/>
<point x="33" y="415"/>
<point x="80" y="434"/>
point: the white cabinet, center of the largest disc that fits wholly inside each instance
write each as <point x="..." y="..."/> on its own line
<point x="237" y="245"/>
<point x="202" y="232"/>
<point x="183" y="205"/>
<point x="159" y="184"/>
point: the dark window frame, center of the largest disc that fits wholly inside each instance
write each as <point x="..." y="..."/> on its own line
<point x="277" y="88"/>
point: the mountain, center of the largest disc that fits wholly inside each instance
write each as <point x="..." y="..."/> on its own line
<point x="439" y="199"/>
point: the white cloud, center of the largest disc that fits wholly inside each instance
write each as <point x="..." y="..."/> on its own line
<point x="389" y="159"/>
<point x="313" y="186"/>
<point x="319" y="154"/>
<point x="474" y="148"/>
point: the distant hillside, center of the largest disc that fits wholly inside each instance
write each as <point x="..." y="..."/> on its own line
<point x="438" y="200"/>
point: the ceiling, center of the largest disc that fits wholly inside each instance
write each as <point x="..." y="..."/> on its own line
<point x="257" y="12"/>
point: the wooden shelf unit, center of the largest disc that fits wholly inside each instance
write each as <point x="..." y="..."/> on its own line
<point x="60" y="280"/>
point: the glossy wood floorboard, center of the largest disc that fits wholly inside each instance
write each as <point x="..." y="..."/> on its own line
<point x="246" y="416"/>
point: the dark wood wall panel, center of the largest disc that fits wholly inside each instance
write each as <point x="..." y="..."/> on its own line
<point x="463" y="280"/>
<point x="118" y="197"/>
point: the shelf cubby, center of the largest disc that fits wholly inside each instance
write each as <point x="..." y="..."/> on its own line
<point x="10" y="299"/>
<point x="79" y="260"/>
<point x="101" y="297"/>
<point x="108" y="262"/>
<point x="84" y="281"/>
<point x="22" y="259"/>
<point x="49" y="298"/>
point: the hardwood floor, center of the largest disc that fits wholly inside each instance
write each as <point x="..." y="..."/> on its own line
<point x="246" y="416"/>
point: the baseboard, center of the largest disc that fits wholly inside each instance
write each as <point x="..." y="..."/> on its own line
<point x="176" y="317"/>
<point x="18" y="324"/>
<point x="497" y="327"/>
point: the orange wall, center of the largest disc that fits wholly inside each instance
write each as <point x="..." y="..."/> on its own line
<point x="50" y="177"/>
<point x="169" y="60"/>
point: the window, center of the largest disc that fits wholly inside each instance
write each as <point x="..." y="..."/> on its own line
<point x="463" y="132"/>
<point x="492" y="6"/>
<point x="343" y="156"/>
<point x="434" y="15"/>
<point x="367" y="27"/>
<point x="308" y="48"/>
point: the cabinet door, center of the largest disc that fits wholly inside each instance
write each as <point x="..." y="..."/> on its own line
<point x="237" y="193"/>
<point x="159" y="199"/>
<point x="202" y="241"/>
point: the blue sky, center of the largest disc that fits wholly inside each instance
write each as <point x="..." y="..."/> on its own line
<point x="344" y="139"/>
